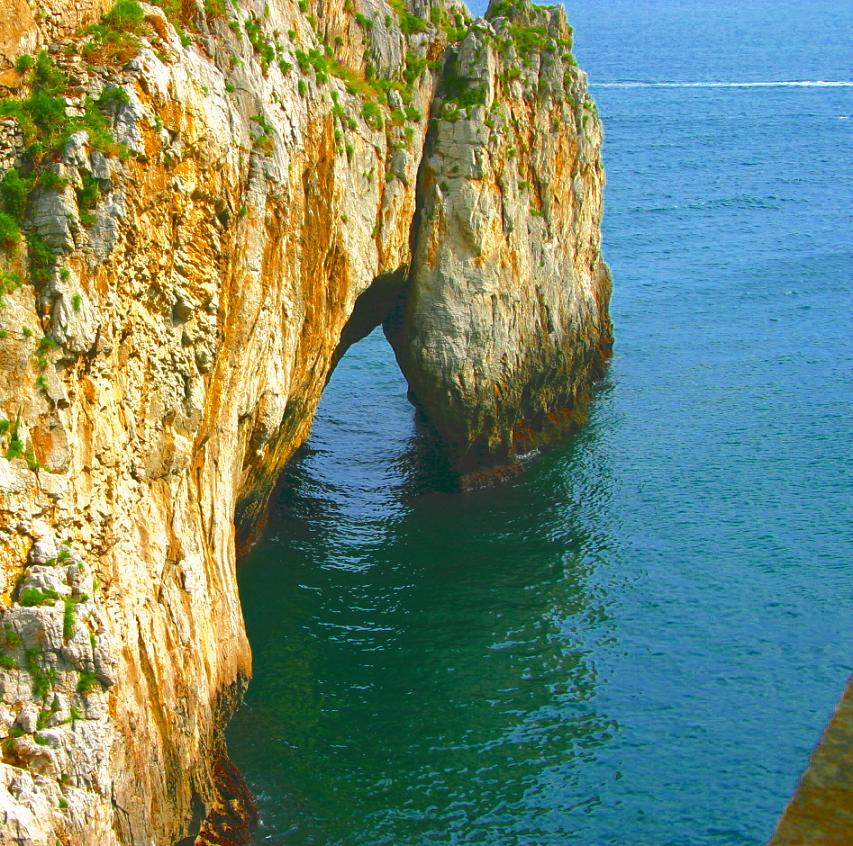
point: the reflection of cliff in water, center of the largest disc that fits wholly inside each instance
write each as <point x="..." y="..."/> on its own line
<point x="422" y="658"/>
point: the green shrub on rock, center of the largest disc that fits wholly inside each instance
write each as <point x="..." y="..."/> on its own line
<point x="24" y="63"/>
<point x="34" y="597"/>
<point x="10" y="232"/>
<point x="86" y="683"/>
<point x="14" y="191"/>
<point x="126" y="16"/>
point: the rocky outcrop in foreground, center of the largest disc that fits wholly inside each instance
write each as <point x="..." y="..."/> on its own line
<point x="202" y="204"/>
<point x="820" y="812"/>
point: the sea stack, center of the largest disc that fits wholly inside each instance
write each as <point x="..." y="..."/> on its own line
<point x="503" y="324"/>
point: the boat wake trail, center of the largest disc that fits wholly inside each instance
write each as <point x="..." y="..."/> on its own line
<point x="804" y="83"/>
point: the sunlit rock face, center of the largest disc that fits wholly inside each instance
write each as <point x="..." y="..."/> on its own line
<point x="505" y="321"/>
<point x="228" y="197"/>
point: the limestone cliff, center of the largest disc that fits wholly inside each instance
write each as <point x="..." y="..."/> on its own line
<point x="202" y="204"/>
<point x="504" y="322"/>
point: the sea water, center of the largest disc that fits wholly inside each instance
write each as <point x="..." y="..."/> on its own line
<point x="640" y="639"/>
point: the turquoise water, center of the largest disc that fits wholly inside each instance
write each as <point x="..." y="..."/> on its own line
<point x="639" y="640"/>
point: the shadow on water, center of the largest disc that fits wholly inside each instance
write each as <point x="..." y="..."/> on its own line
<point x="423" y="658"/>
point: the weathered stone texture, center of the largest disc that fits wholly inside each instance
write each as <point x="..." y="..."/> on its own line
<point x="27" y="25"/>
<point x="197" y="317"/>
<point x="505" y="322"/>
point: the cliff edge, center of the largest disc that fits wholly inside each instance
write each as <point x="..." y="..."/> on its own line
<point x="202" y="204"/>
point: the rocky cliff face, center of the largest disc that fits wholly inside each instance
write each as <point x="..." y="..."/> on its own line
<point x="202" y="205"/>
<point x="504" y="322"/>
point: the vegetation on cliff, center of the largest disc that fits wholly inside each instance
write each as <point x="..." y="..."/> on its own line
<point x="194" y="199"/>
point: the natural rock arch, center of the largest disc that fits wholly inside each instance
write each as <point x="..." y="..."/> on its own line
<point x="196" y="295"/>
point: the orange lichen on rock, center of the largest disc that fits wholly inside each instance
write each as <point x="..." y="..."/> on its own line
<point x="196" y="309"/>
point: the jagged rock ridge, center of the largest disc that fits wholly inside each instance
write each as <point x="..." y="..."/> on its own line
<point x="202" y="205"/>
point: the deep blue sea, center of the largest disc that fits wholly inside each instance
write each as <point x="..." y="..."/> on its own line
<point x="640" y="639"/>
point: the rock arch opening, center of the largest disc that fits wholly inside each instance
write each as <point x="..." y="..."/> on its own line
<point x="373" y="308"/>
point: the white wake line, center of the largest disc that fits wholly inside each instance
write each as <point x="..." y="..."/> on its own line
<point x="804" y="83"/>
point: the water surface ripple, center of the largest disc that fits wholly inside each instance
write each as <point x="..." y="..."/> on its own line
<point x="638" y="641"/>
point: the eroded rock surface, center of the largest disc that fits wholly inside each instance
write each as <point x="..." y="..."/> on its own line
<point x="505" y="322"/>
<point x="230" y="181"/>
